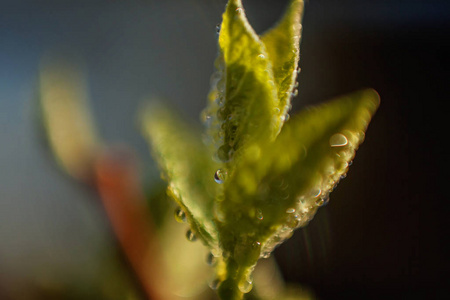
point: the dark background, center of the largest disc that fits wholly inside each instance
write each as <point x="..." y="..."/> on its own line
<point x="383" y="233"/>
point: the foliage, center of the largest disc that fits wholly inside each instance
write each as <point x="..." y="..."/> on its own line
<point x="260" y="174"/>
<point x="243" y="186"/>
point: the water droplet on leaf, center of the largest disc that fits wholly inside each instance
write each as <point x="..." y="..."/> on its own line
<point x="239" y="10"/>
<point x="338" y="140"/>
<point x="191" y="236"/>
<point x="180" y="215"/>
<point x="220" y="176"/>
<point x="322" y="201"/>
<point x="214" y="285"/>
<point x="245" y="286"/>
<point x="293" y="221"/>
<point x="256" y="245"/>
<point x="211" y="259"/>
<point x="225" y="153"/>
<point x="290" y="210"/>
<point x="259" y="215"/>
<point x="319" y="202"/>
<point x="316" y="193"/>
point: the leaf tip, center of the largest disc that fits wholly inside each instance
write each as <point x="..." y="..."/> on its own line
<point x="373" y="99"/>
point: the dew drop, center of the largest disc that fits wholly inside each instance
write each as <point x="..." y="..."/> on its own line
<point x="259" y="215"/>
<point x="211" y="259"/>
<point x="282" y="185"/>
<point x="245" y="286"/>
<point x="301" y="199"/>
<point x="180" y="215"/>
<point x="205" y="118"/>
<point x="220" y="176"/>
<point x="239" y="10"/>
<point x="220" y="197"/>
<point x="288" y="107"/>
<point x="276" y="110"/>
<point x="322" y="201"/>
<point x="316" y="193"/>
<point x="214" y="284"/>
<point x="261" y="56"/>
<point x="191" y="236"/>
<point x="225" y="153"/>
<point x="218" y="212"/>
<point x="295" y="93"/>
<point x="256" y="245"/>
<point x="319" y="202"/>
<point x="338" y="140"/>
<point x="290" y="210"/>
<point x="293" y="221"/>
<point x="218" y="28"/>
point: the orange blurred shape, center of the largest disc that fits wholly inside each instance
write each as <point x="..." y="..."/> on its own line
<point x="117" y="180"/>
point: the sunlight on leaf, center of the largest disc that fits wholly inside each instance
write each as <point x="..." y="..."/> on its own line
<point x="243" y="98"/>
<point x="295" y="175"/>
<point x="283" y="48"/>
<point x="256" y="181"/>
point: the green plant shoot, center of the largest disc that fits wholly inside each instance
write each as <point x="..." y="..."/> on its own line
<point x="257" y="174"/>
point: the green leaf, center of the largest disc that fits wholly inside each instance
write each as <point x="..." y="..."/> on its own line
<point x="187" y="167"/>
<point x="271" y="180"/>
<point x="186" y="271"/>
<point x="243" y="98"/>
<point x="278" y="187"/>
<point x="283" y="48"/>
<point x="65" y="114"/>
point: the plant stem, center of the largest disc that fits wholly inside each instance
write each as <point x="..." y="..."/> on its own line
<point x="229" y="290"/>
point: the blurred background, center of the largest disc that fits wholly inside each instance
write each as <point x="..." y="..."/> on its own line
<point x="383" y="233"/>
